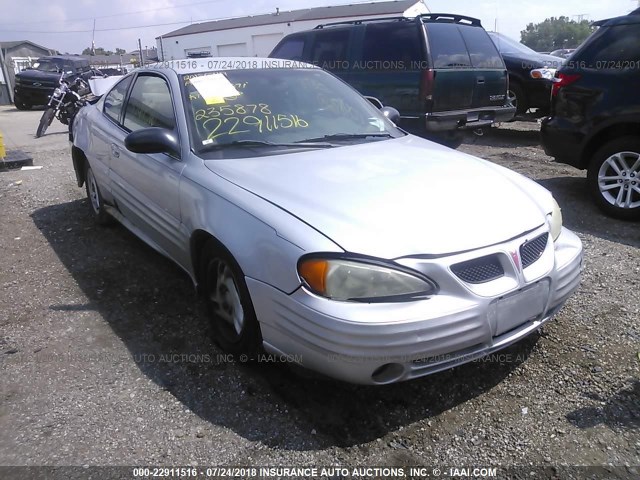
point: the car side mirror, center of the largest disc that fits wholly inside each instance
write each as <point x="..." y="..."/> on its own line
<point x="391" y="113"/>
<point x="153" y="140"/>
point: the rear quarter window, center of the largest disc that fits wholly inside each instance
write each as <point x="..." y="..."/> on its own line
<point x="330" y="49"/>
<point x="392" y="45"/>
<point x="291" y="48"/>
<point x="610" y="48"/>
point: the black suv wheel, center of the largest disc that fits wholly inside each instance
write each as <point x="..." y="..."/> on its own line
<point x="614" y="178"/>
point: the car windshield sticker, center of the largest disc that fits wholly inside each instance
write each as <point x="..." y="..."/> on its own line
<point x="214" y="88"/>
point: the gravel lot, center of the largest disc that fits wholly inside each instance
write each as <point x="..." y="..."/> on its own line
<point x="105" y="356"/>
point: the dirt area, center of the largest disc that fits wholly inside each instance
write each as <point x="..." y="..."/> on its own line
<point x="105" y="356"/>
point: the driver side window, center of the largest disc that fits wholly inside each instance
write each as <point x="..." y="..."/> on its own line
<point x="115" y="98"/>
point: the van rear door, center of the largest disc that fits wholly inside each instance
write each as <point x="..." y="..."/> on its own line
<point x="490" y="86"/>
<point x="453" y="77"/>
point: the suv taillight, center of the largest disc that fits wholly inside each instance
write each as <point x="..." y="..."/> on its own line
<point x="426" y="84"/>
<point x="562" y="80"/>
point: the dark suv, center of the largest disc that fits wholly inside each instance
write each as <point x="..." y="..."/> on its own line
<point x="595" y="115"/>
<point x="442" y="72"/>
<point x="34" y="85"/>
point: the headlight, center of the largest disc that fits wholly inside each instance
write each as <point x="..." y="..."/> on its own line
<point x="555" y="221"/>
<point x="362" y="279"/>
<point x="57" y="92"/>
<point x="546" y="73"/>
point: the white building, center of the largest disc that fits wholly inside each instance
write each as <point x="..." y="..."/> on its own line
<point x="257" y="35"/>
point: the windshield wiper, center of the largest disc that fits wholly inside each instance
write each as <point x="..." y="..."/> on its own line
<point x="264" y="143"/>
<point x="348" y="136"/>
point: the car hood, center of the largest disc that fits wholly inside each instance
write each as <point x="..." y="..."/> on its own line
<point x="534" y="60"/>
<point x="38" y="75"/>
<point x="393" y="198"/>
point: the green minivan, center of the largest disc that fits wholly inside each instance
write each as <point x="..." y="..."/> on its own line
<point x="442" y="72"/>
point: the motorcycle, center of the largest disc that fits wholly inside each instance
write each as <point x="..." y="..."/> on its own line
<point x="64" y="103"/>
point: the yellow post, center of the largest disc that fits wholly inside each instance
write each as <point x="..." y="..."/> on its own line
<point x="3" y="153"/>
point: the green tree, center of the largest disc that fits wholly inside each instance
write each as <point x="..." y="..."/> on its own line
<point x="98" y="51"/>
<point x="120" y="51"/>
<point x="555" y="33"/>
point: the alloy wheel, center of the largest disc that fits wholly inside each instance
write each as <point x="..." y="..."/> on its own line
<point x="619" y="180"/>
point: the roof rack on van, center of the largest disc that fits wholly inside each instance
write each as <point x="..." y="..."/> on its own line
<point x="426" y="17"/>
<point x="450" y="18"/>
<point x="364" y="20"/>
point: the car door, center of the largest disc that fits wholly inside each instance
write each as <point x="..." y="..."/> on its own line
<point x="146" y="186"/>
<point x="104" y="132"/>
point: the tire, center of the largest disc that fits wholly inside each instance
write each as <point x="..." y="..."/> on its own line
<point x="233" y="319"/>
<point x="614" y="178"/>
<point x="45" y="121"/>
<point x="96" y="204"/>
<point x="20" y="105"/>
<point x="517" y="98"/>
<point x="451" y="139"/>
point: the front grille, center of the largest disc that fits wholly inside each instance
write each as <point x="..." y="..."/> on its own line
<point x="479" y="270"/>
<point x="532" y="251"/>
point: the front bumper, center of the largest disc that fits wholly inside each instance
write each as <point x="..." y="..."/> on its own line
<point x="391" y="342"/>
<point x="33" y="96"/>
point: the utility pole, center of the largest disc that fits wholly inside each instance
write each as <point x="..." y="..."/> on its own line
<point x="141" y="57"/>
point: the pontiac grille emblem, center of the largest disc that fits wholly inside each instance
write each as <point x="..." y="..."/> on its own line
<point x="37" y="84"/>
<point x="516" y="260"/>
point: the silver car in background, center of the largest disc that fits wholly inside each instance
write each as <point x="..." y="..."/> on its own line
<point x="314" y="227"/>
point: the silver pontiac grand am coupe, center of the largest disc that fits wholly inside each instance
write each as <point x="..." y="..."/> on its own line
<point x="317" y="229"/>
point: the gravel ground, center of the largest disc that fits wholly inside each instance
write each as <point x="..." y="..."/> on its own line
<point x="105" y="356"/>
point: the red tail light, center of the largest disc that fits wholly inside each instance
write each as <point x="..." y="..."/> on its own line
<point x="426" y="84"/>
<point x="562" y="80"/>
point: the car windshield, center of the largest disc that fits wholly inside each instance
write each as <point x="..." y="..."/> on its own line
<point x="46" y="65"/>
<point x="279" y="107"/>
<point x="508" y="45"/>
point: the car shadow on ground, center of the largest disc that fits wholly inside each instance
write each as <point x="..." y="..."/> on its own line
<point x="579" y="213"/>
<point x="151" y="306"/>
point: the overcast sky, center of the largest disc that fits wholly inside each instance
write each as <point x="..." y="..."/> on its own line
<point x="67" y="25"/>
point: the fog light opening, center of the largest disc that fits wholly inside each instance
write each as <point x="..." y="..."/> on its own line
<point x="387" y="373"/>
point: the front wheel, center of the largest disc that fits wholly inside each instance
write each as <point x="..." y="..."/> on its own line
<point x="45" y="121"/>
<point x="95" y="199"/>
<point x="614" y="178"/>
<point x="20" y="105"/>
<point x="229" y="305"/>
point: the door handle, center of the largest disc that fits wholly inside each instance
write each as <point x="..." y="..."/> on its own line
<point x="480" y="80"/>
<point x="115" y="151"/>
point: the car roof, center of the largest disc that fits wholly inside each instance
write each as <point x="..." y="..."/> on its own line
<point x="65" y="58"/>
<point x="629" y="19"/>
<point x="220" y="64"/>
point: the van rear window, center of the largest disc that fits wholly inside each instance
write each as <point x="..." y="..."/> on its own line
<point x="482" y="50"/>
<point x="447" y="47"/>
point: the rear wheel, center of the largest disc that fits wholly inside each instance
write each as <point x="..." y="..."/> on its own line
<point x="95" y="199"/>
<point x="229" y="305"/>
<point x="45" y="121"/>
<point x="614" y="178"/>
